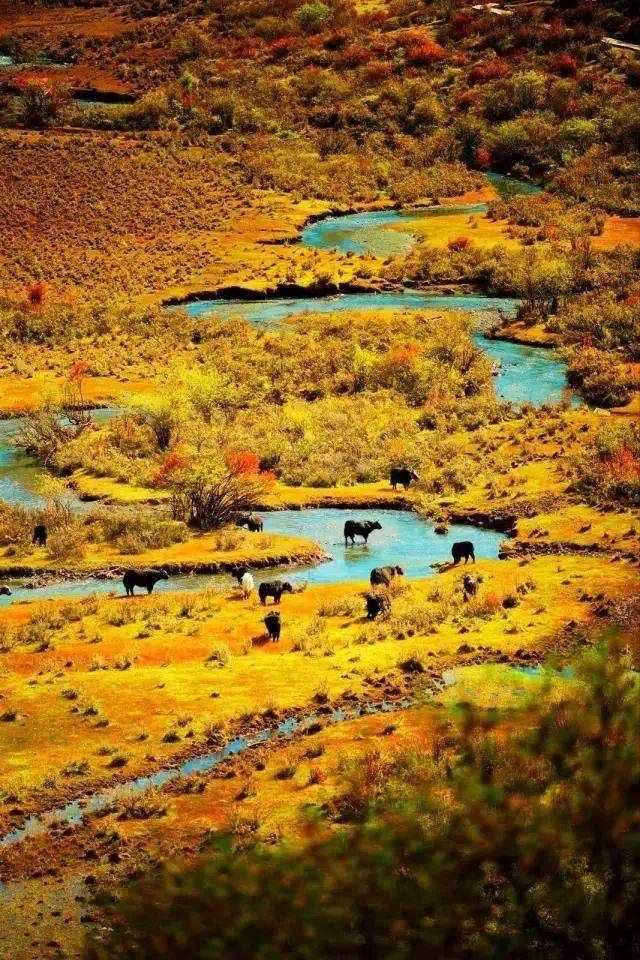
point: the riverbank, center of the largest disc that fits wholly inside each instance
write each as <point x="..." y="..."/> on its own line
<point x="200" y="554"/>
<point x="204" y="662"/>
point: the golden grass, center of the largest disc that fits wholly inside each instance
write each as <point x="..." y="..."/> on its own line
<point x="195" y="553"/>
<point x="19" y="394"/>
<point x="142" y="664"/>
<point x="439" y="231"/>
<point x="106" y="235"/>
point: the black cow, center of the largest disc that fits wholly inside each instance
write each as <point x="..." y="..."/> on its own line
<point x="238" y="573"/>
<point x="403" y="476"/>
<point x="273" y="625"/>
<point x="252" y="523"/>
<point x="5" y="592"/>
<point x="359" y="528"/>
<point x="377" y="603"/>
<point x="463" y="549"/>
<point x="142" y="578"/>
<point x="382" y="576"/>
<point x="469" y="586"/>
<point x="40" y="535"/>
<point x="275" y="589"/>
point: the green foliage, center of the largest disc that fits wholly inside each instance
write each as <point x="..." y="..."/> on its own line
<point x="313" y="16"/>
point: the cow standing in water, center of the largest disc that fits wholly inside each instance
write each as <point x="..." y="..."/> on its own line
<point x="360" y="528"/>
<point x="142" y="578"/>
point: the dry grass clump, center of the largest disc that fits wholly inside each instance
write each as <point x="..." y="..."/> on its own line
<point x="146" y="805"/>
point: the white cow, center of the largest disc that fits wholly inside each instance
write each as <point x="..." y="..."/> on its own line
<point x="248" y="585"/>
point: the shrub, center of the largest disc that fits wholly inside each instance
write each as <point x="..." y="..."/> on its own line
<point x="67" y="542"/>
<point x="219" y="655"/>
<point x="314" y="16"/>
<point x="609" y="470"/>
<point x="426" y="54"/>
<point x="460" y="243"/>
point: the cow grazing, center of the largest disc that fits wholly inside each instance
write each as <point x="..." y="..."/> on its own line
<point x="469" y="586"/>
<point x="5" y="592"/>
<point x="238" y="573"/>
<point x="40" y="535"/>
<point x="273" y="624"/>
<point x="382" y="576"/>
<point x="403" y="476"/>
<point x="142" y="578"/>
<point x="252" y="523"/>
<point x="359" y="528"/>
<point x="248" y="585"/>
<point x="462" y="549"/>
<point x="275" y="589"/>
<point x="377" y="603"/>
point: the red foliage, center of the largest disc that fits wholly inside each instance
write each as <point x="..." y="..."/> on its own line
<point x="241" y="462"/>
<point x="632" y="300"/>
<point x="460" y="243"/>
<point x="461" y="24"/>
<point x="483" y="73"/>
<point x="375" y="17"/>
<point x="466" y="99"/>
<point x="377" y="71"/>
<point x="246" y="49"/>
<point x="336" y="40"/>
<point x="564" y="64"/>
<point x="36" y="295"/>
<point x="623" y="464"/>
<point x="557" y="35"/>
<point x="460" y="60"/>
<point x="355" y="56"/>
<point x="268" y="479"/>
<point x="283" y="46"/>
<point x="77" y="371"/>
<point x="405" y="356"/>
<point x="172" y="463"/>
<point x="426" y="54"/>
<point x="483" y="158"/>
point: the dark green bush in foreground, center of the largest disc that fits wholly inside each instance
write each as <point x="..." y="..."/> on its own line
<point x="528" y="847"/>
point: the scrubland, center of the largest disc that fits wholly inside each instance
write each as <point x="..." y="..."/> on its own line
<point x="504" y="713"/>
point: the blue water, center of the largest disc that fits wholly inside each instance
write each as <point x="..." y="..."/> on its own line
<point x="377" y="232"/>
<point x="524" y="374"/>
<point x="405" y="539"/>
<point x="20" y="474"/>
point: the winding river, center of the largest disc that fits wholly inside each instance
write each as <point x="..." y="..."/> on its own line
<point x="405" y="539"/>
<point x="387" y="233"/>
<point x="523" y="374"/>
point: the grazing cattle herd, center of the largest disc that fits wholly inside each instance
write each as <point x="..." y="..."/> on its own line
<point x="377" y="601"/>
